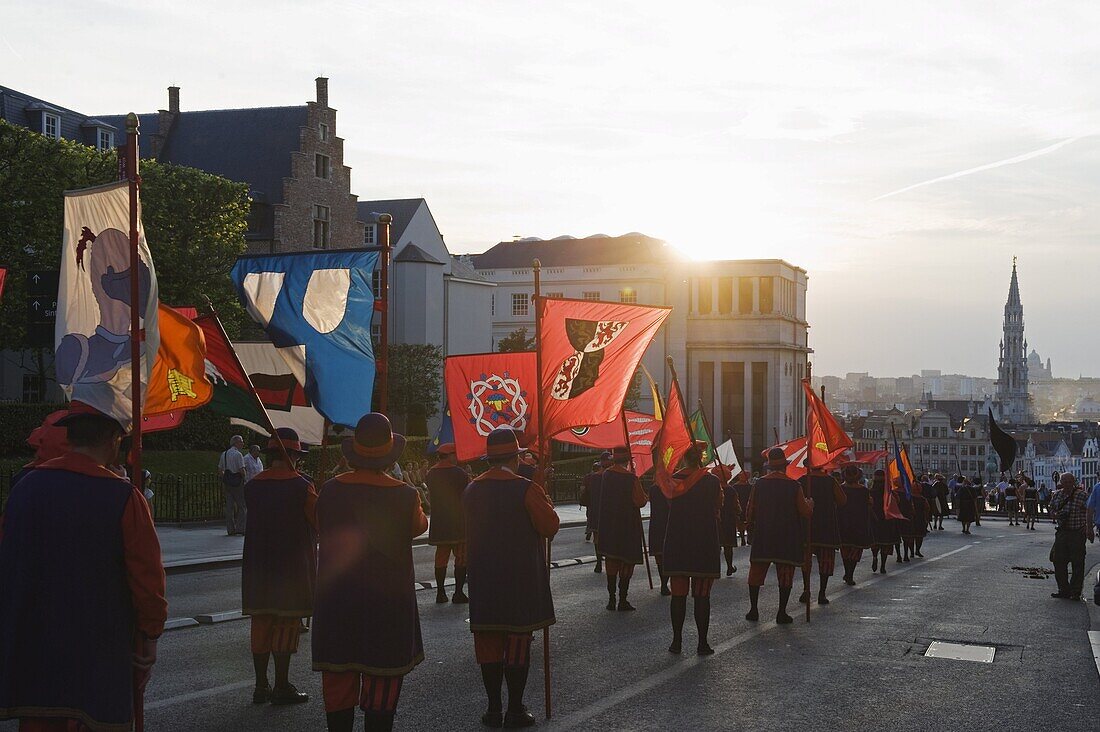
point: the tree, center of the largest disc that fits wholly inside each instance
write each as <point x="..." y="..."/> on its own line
<point x="633" y="392"/>
<point x="415" y="384"/>
<point x="516" y="341"/>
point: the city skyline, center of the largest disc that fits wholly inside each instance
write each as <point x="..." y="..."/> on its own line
<point x="901" y="155"/>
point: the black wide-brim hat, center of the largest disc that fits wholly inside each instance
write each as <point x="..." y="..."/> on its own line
<point x="290" y="442"/>
<point x="777" y="459"/>
<point x="502" y="443"/>
<point x="374" y="446"/>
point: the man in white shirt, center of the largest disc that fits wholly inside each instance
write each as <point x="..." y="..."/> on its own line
<point x="231" y="471"/>
<point x="253" y="465"/>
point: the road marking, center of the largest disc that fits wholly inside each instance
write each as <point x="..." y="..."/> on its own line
<point x="191" y="696"/>
<point x="1094" y="641"/>
<point x="581" y="716"/>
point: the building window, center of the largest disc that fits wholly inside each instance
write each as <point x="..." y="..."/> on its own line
<point x="706" y="296"/>
<point x="628" y="295"/>
<point x="322" y="132"/>
<point x="725" y="295"/>
<point x="591" y="269"/>
<point x="492" y="304"/>
<point x="376" y="333"/>
<point x="320" y="227"/>
<point x="322" y="166"/>
<point x="368" y="234"/>
<point x="520" y="272"/>
<point x="51" y="126"/>
<point x="519" y="304"/>
<point x="766" y="295"/>
<point x="591" y="296"/>
<point x="744" y="295"/>
<point x="555" y="294"/>
<point x="32" y="388"/>
<point x="555" y="270"/>
<point x="105" y="140"/>
<point x="376" y="283"/>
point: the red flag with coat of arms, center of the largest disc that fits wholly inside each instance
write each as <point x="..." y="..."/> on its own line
<point x="589" y="352"/>
<point x="490" y="390"/>
<point x="675" y="439"/>
<point x="827" y="439"/>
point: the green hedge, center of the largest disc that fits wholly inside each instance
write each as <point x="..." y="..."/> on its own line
<point x="18" y="420"/>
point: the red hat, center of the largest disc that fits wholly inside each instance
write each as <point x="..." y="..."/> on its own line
<point x="374" y="446"/>
<point x="447" y="448"/>
<point x="289" y="439"/>
<point x="80" y="410"/>
<point x="501" y="443"/>
<point x="48" y="439"/>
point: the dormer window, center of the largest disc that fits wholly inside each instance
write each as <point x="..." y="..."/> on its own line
<point x="368" y="235"/>
<point x="105" y="140"/>
<point x="51" y="125"/>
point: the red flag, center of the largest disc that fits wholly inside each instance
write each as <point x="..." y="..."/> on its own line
<point x="490" y="390"/>
<point x="828" y="440"/>
<point x="796" y="453"/>
<point x="642" y="428"/>
<point x="589" y="352"/>
<point x="163" y="421"/>
<point x="3" y="276"/>
<point x="673" y="441"/>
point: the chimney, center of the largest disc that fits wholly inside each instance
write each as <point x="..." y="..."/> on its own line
<point x="174" y="99"/>
<point x="322" y="91"/>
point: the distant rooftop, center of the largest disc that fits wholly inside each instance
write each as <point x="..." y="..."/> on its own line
<point x="565" y="251"/>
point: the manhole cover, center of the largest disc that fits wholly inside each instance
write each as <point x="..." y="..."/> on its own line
<point x="961" y="652"/>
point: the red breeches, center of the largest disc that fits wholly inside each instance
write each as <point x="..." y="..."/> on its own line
<point x="826" y="561"/>
<point x="851" y="553"/>
<point x="617" y="568"/>
<point x="274" y="634"/>
<point x="699" y="586"/>
<point x="511" y="649"/>
<point x="444" y="551"/>
<point x="347" y="689"/>
<point x="758" y="572"/>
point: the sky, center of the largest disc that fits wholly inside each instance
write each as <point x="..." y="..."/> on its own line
<point x="902" y="153"/>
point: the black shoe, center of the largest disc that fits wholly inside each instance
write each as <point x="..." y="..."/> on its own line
<point x="849" y="581"/>
<point x="822" y="600"/>
<point x="288" y="695"/>
<point x="598" y="568"/>
<point x="261" y="694"/>
<point x="459" y="598"/>
<point x="676" y="647"/>
<point x="624" y="606"/>
<point x="1060" y="595"/>
<point x="752" y="615"/>
<point x="906" y="560"/>
<point x="803" y="598"/>
<point x="611" y="604"/>
<point x="1075" y="598"/>
<point x="493" y="719"/>
<point x="704" y="649"/>
<point x="920" y="555"/>
<point x="665" y="592"/>
<point x="518" y="718"/>
<point x="783" y="619"/>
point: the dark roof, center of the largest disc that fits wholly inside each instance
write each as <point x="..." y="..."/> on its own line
<point x="24" y="110"/>
<point x="402" y="210"/>
<point x="413" y="253"/>
<point x="593" y="250"/>
<point x="252" y="146"/>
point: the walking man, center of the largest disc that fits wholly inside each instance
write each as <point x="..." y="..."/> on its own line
<point x="277" y="570"/>
<point x="81" y="587"/>
<point x="593" y="486"/>
<point x="447" y="529"/>
<point x="366" y="627"/>
<point x="884" y="532"/>
<point x="231" y="472"/>
<point x="620" y="531"/>
<point x="777" y="508"/>
<point x="853" y="519"/>
<point x="1070" y="512"/>
<point x="658" y="524"/>
<point x="508" y="522"/>
<point x="730" y="519"/>
<point x="691" y="553"/>
<point x="827" y="496"/>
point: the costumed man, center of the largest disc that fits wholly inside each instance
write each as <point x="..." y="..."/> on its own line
<point x="884" y="532"/>
<point x="48" y="442"/>
<point x="743" y="487"/>
<point x="620" y="530"/>
<point x="594" y="483"/>
<point x="853" y="519"/>
<point x="691" y="551"/>
<point x="918" y="526"/>
<point x="508" y="522"/>
<point x="658" y="523"/>
<point x="824" y="531"/>
<point x="447" y="529"/>
<point x="777" y="507"/>
<point x="81" y="587"/>
<point x="366" y="627"/>
<point x="730" y="518"/>
<point x="904" y="525"/>
<point x="585" y="499"/>
<point x="278" y="567"/>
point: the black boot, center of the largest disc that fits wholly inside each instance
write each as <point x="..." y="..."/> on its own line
<point x="665" y="592"/>
<point x="730" y="569"/>
<point x="678" y="610"/>
<point x="624" y="587"/>
<point x="440" y="578"/>
<point x="610" y="591"/>
<point x="284" y="692"/>
<point x="754" y="597"/>
<point x="517" y="714"/>
<point x="849" y="572"/>
<point x="781" y="617"/>
<point x="821" y="599"/>
<point x="341" y="721"/>
<point x="377" y="722"/>
<point x="262" y="691"/>
<point x="920" y="545"/>
<point x="702" y="624"/>
<point x="874" y="562"/>
<point x="459" y="597"/>
<point x="492" y="675"/>
<point x="599" y="564"/>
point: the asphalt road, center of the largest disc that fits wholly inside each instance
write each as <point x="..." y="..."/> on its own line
<point x="859" y="665"/>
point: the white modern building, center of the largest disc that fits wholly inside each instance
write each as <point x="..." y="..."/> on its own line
<point x="737" y="332"/>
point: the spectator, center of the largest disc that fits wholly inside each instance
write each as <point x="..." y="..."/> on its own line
<point x="1072" y="516"/>
<point x="1012" y="502"/>
<point x="253" y="465"/>
<point x="232" y="473"/>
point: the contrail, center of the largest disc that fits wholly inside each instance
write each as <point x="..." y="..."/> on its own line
<point x="987" y="166"/>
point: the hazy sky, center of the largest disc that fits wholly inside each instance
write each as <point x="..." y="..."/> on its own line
<point x="729" y="129"/>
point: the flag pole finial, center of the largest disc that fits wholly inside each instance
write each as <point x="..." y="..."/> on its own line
<point x="132" y="124"/>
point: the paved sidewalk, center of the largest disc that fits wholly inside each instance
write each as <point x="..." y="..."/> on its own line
<point x="202" y="545"/>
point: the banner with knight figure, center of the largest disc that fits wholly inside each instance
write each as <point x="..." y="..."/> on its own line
<point x="490" y="390"/>
<point x="92" y="335"/>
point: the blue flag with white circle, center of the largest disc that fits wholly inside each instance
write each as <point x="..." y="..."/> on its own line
<point x="317" y="309"/>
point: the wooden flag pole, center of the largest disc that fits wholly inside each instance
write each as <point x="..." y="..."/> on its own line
<point x="544" y="460"/>
<point x="382" y="303"/>
<point x="645" y="548"/>
<point x="133" y="126"/>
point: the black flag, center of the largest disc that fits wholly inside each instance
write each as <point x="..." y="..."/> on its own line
<point x="1003" y="443"/>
